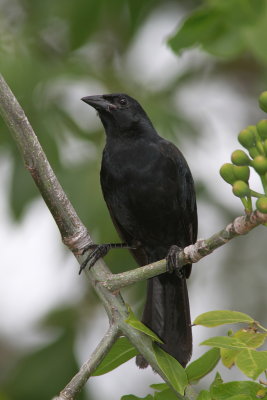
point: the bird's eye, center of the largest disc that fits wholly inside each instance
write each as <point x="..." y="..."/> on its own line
<point x="123" y="101"/>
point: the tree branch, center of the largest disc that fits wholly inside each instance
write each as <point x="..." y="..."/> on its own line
<point x="78" y="381"/>
<point x="190" y="254"/>
<point x="73" y="232"/>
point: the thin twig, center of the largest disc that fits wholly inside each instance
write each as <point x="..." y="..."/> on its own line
<point x="74" y="387"/>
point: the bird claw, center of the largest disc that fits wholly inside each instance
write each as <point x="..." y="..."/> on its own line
<point x="173" y="264"/>
<point x="98" y="251"/>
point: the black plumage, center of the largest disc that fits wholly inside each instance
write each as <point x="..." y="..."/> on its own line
<point x="150" y="194"/>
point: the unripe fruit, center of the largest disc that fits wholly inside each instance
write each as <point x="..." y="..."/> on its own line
<point x="261" y="204"/>
<point x="247" y="138"/>
<point x="239" y="157"/>
<point x="241" y="172"/>
<point x="227" y="173"/>
<point x="265" y="146"/>
<point x="260" y="164"/>
<point x="263" y="101"/>
<point x="254" y="152"/>
<point x="262" y="128"/>
<point x="241" y="189"/>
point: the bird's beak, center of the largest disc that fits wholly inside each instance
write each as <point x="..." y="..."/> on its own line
<point x="98" y="102"/>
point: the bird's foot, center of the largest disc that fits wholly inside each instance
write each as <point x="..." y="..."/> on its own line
<point x="172" y="259"/>
<point x="100" y="250"/>
<point x="97" y="251"/>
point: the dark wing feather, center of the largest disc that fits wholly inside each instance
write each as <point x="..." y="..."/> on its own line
<point x="138" y="253"/>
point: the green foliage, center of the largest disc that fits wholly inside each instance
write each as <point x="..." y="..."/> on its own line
<point x="132" y="397"/>
<point x="236" y="348"/>
<point x="243" y="390"/>
<point x="136" y="324"/>
<point x="203" y="365"/>
<point x="221" y="317"/>
<point x="239" y="347"/>
<point x="120" y="352"/>
<point x="172" y="369"/>
<point x="225" y="29"/>
<point x="204" y="395"/>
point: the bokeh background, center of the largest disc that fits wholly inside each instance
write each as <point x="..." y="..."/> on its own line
<point x="200" y="89"/>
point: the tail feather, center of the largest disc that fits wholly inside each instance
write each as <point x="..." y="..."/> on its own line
<point x="167" y="313"/>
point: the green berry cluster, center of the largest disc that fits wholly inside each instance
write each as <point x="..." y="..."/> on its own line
<point x="254" y="140"/>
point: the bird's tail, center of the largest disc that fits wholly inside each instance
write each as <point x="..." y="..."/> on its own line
<point x="167" y="313"/>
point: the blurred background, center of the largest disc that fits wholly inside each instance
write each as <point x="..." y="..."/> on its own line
<point x="197" y="67"/>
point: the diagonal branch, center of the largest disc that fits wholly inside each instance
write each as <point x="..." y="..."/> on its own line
<point x="73" y="232"/>
<point x="76" y="384"/>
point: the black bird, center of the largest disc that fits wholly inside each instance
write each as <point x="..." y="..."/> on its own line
<point x="149" y="191"/>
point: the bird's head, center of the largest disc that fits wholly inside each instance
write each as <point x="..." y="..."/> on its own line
<point x="118" y="112"/>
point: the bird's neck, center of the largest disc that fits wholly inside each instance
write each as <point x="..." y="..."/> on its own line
<point x="140" y="131"/>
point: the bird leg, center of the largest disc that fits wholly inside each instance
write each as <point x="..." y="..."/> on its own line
<point x="99" y="251"/>
<point x="172" y="260"/>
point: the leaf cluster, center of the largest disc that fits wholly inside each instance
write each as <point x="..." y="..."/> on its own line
<point x="239" y="348"/>
<point x="225" y="29"/>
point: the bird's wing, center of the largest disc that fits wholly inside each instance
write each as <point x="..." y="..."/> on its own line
<point x="138" y="253"/>
<point x="186" y="199"/>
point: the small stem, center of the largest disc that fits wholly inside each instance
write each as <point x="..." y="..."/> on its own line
<point x="264" y="184"/>
<point x="262" y="327"/>
<point x="78" y="381"/>
<point x="244" y="202"/>
<point x="249" y="204"/>
<point x="256" y="194"/>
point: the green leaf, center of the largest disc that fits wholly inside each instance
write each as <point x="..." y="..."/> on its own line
<point x="217" y="381"/>
<point x="228" y="357"/>
<point x="203" y="365"/>
<point x="166" y="394"/>
<point x="251" y="362"/>
<point x="172" y="369"/>
<point x="221" y="317"/>
<point x="120" y="352"/>
<point x="240" y="397"/>
<point x="135" y="323"/>
<point x="132" y="397"/>
<point x="159" y="386"/>
<point x="195" y="29"/>
<point x="224" y="28"/>
<point x="226" y="391"/>
<point x="251" y="338"/>
<point x="163" y="392"/>
<point x="204" y="395"/>
<point x="224" y="342"/>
